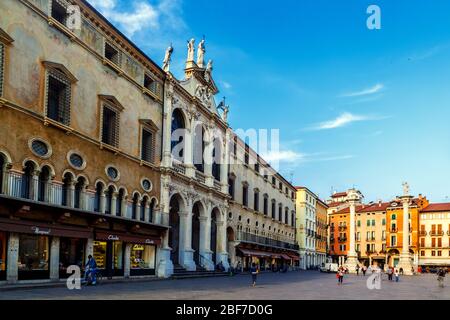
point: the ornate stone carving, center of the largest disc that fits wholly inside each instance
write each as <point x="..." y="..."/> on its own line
<point x="167" y="59"/>
<point x="203" y="93"/>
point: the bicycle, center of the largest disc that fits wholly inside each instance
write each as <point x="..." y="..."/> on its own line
<point x="98" y="276"/>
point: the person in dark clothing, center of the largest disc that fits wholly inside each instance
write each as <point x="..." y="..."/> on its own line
<point x="91" y="270"/>
<point x="254" y="272"/>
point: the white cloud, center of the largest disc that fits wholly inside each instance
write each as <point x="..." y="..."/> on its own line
<point x="140" y="15"/>
<point x="343" y="120"/>
<point x="372" y="90"/>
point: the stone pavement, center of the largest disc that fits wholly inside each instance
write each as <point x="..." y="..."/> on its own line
<point x="279" y="286"/>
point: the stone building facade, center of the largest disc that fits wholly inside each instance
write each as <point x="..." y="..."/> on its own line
<point x="81" y="116"/>
<point x="307" y="227"/>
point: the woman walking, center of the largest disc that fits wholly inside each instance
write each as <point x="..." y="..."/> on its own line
<point x="340" y="275"/>
<point x="441" y="276"/>
<point x="397" y="274"/>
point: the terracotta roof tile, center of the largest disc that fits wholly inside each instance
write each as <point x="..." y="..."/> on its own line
<point x="435" y="207"/>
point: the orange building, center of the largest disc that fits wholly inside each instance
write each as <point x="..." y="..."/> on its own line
<point x="321" y="231"/>
<point x="394" y="228"/>
<point x="339" y="223"/>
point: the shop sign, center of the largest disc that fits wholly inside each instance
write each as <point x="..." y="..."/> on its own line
<point x="113" y="237"/>
<point x="149" y="241"/>
<point x="40" y="231"/>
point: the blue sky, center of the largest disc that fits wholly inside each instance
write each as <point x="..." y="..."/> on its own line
<point x="355" y="107"/>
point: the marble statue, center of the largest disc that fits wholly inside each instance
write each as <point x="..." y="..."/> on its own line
<point x="201" y="54"/>
<point x="167" y="59"/>
<point x="209" y="66"/>
<point x="405" y="189"/>
<point x="191" y="50"/>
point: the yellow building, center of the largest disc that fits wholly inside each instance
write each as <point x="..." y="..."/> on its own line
<point x="321" y="231"/>
<point x="371" y="233"/>
<point x="394" y="229"/>
<point x="434" y="235"/>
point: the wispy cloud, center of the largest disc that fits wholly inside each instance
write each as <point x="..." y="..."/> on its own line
<point x="288" y="156"/>
<point x="426" y="53"/>
<point x="226" y="85"/>
<point x="368" y="91"/>
<point x="141" y="15"/>
<point x="343" y="120"/>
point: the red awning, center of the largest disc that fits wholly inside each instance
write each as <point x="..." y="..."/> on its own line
<point x="44" y="229"/>
<point x="293" y="256"/>
<point x="254" y="253"/>
<point x="285" y="257"/>
<point x="276" y="256"/>
<point x="130" y="238"/>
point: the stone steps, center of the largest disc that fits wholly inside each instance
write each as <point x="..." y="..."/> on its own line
<point x="198" y="274"/>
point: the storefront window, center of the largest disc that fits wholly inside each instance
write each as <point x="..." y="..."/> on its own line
<point x="33" y="257"/>
<point x="3" y="246"/>
<point x="118" y="255"/>
<point x="100" y="254"/>
<point x="71" y="252"/>
<point x="142" y="257"/>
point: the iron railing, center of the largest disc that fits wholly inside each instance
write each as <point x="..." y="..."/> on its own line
<point x="253" y="238"/>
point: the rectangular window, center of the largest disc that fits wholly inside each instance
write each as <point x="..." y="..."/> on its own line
<point x="368" y="223"/>
<point x="149" y="83"/>
<point x="59" y="12"/>
<point x="231" y="187"/>
<point x="58" y="98"/>
<point x="247" y="155"/>
<point x="34" y="257"/>
<point x="373" y="223"/>
<point x="439" y="243"/>
<point x="383" y="222"/>
<point x="256" y="201"/>
<point x="266" y="204"/>
<point x="422" y="253"/>
<point x="422" y="242"/>
<point x="147" y="146"/>
<point x="245" y="196"/>
<point x="433" y="242"/>
<point x="112" y="54"/>
<point x="110" y="127"/>
<point x="359" y="223"/>
<point x="393" y="241"/>
<point x="273" y="210"/>
<point x="433" y="253"/>
<point x="439" y="253"/>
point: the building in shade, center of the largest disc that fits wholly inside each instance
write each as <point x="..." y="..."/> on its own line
<point x="321" y="231"/>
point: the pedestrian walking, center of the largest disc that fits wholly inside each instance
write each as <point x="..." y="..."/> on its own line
<point x="357" y="270"/>
<point x="397" y="275"/>
<point x="389" y="272"/>
<point x="364" y="270"/>
<point x="441" y="277"/>
<point x="254" y="272"/>
<point x="340" y="275"/>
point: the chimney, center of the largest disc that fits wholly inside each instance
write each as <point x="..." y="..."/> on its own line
<point x="379" y="202"/>
<point x="420" y="196"/>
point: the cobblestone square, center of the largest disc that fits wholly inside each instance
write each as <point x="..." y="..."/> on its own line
<point x="303" y="285"/>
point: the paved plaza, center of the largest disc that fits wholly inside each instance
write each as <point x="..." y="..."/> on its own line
<point x="288" y="286"/>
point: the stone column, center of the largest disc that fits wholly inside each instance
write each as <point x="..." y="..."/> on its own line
<point x="124" y="206"/>
<point x="12" y="258"/>
<point x="102" y="202"/>
<point x="164" y="267"/>
<point x="34" y="185"/>
<point x="352" y="257"/>
<point x="224" y="164"/>
<point x="222" y="254"/>
<point x="205" y="241"/>
<point x="405" y="256"/>
<point x="186" y="252"/>
<point x="167" y="125"/>
<point x="54" y="259"/>
<point x="89" y="249"/>
<point x="189" y="147"/>
<point x="147" y="212"/>
<point x="208" y="161"/>
<point x="71" y="195"/>
<point x="114" y="204"/>
<point x="127" y="261"/>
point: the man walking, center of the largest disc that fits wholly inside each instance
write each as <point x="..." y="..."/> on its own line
<point x="397" y="275"/>
<point x="441" y="277"/>
<point x="389" y="272"/>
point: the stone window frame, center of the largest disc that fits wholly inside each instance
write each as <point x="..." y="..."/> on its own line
<point x="5" y="41"/>
<point x="142" y="184"/>
<point x="61" y="74"/>
<point x="115" y="65"/>
<point x="114" y="167"/>
<point x="40" y="139"/>
<point x="152" y="128"/>
<point x="110" y="102"/>
<point x="154" y="91"/>
<point x="79" y="153"/>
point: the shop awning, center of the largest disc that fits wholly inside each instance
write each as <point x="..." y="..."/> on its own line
<point x="30" y="227"/>
<point x="285" y="257"/>
<point x="276" y="256"/>
<point x="125" y="237"/>
<point x="294" y="256"/>
<point x="254" y="253"/>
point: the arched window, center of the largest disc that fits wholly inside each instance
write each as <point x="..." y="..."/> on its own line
<point x="286" y="216"/>
<point x="274" y="210"/>
<point x="266" y="205"/>
<point x="27" y="179"/>
<point x="177" y="137"/>
<point x="199" y="148"/>
<point x="79" y="186"/>
<point x="217" y="159"/>
<point x="43" y="184"/>
<point x="134" y="206"/>
<point x="143" y="205"/>
<point x="2" y="169"/>
<point x="67" y="182"/>
<point x="98" y="196"/>
<point x="108" y="202"/>
<point x="231" y="181"/>
<point x="119" y="200"/>
<point x="152" y="210"/>
<point x="280" y="213"/>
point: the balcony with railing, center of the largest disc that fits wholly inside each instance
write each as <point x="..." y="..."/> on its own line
<point x="422" y="233"/>
<point x="342" y="228"/>
<point x="342" y="239"/>
<point x="253" y="238"/>
<point x="437" y="233"/>
<point x="179" y="167"/>
<point x="200" y="177"/>
<point x="393" y="230"/>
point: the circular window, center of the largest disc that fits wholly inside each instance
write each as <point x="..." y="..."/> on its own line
<point x="112" y="173"/>
<point x="76" y="160"/>
<point x="40" y="148"/>
<point x="146" y="184"/>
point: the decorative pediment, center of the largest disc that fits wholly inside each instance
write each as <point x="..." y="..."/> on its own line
<point x="5" y="38"/>
<point x="111" y="100"/>
<point x="60" y="68"/>
<point x="149" y="123"/>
